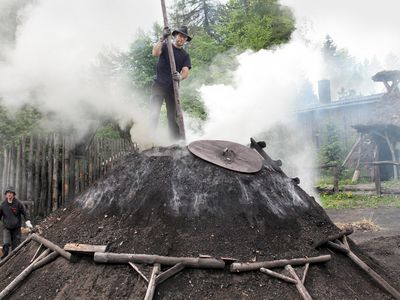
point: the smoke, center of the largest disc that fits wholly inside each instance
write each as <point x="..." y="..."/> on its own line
<point x="366" y="28"/>
<point x="267" y="85"/>
<point x="53" y="58"/>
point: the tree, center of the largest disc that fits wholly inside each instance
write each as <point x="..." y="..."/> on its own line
<point x="197" y="14"/>
<point x="255" y="24"/>
<point x="331" y="152"/>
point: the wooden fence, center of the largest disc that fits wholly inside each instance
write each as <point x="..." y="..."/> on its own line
<point x="48" y="171"/>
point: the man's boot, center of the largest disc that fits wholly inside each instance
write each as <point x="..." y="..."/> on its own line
<point x="6" y="248"/>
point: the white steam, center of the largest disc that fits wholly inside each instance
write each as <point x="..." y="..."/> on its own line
<point x="53" y="61"/>
<point x="262" y="100"/>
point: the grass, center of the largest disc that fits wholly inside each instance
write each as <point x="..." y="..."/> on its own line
<point x="364" y="225"/>
<point x="345" y="200"/>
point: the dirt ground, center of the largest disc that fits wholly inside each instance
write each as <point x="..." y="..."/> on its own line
<point x="172" y="204"/>
<point x="382" y="245"/>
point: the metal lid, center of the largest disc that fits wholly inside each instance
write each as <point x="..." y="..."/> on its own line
<point x="229" y="155"/>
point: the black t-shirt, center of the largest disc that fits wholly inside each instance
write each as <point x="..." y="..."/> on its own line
<point x="182" y="59"/>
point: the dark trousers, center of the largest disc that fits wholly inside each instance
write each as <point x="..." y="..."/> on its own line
<point x="158" y="95"/>
<point x="12" y="237"/>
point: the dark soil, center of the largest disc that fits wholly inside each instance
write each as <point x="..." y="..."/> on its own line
<point x="169" y="202"/>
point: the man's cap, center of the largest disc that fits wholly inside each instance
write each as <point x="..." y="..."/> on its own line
<point x="10" y="189"/>
<point x="184" y="31"/>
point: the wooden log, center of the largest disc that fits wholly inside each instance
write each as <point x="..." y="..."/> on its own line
<point x="85" y="248"/>
<point x="43" y="180"/>
<point x="18" y="173"/>
<point x="152" y="283"/>
<point x="299" y="285"/>
<point x="378" y="279"/>
<point x="138" y="271"/>
<point x="351" y="151"/>
<point x="333" y="237"/>
<point x="277" y="275"/>
<point x="30" y="196"/>
<point x="251" y="266"/>
<point x="23" y="170"/>
<point x="377" y="173"/>
<point x="393" y="153"/>
<point x="189" y="262"/>
<point x="50" y="172"/>
<point x="169" y="273"/>
<point x="17" y="280"/>
<point x="5" y="168"/>
<point x="337" y="247"/>
<point x="15" y="251"/>
<point x="51" y="246"/>
<point x="37" y="253"/>
<point x="303" y="278"/>
<point x="54" y="177"/>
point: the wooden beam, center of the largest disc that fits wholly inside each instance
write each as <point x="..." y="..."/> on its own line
<point x="51" y="246"/>
<point x="333" y="237"/>
<point x="251" y="266"/>
<point x="169" y="273"/>
<point x="85" y="248"/>
<point x="189" y="262"/>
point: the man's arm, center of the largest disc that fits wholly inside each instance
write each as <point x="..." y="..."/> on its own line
<point x="157" y="48"/>
<point x="185" y="72"/>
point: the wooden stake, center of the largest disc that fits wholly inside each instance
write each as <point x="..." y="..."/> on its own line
<point x="37" y="252"/>
<point x="152" y="283"/>
<point x="299" y="285"/>
<point x="169" y="273"/>
<point x="251" y="266"/>
<point x="15" y="251"/>
<point x="51" y="246"/>
<point x="278" y="275"/>
<point x="25" y="273"/>
<point x="138" y="271"/>
<point x="303" y="279"/>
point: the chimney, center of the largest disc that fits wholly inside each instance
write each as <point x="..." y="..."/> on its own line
<point x="324" y="91"/>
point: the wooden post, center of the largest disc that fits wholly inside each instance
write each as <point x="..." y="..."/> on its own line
<point x="336" y="179"/>
<point x="49" y="176"/>
<point x="72" y="171"/>
<point x="18" y="174"/>
<point x="67" y="168"/>
<point x="30" y="195"/>
<point x="43" y="180"/>
<point x="5" y="168"/>
<point x="377" y="173"/>
<point x="392" y="152"/>
<point x="179" y="115"/>
<point x="54" y="179"/>
<point x="152" y="283"/>
<point x="23" y="170"/>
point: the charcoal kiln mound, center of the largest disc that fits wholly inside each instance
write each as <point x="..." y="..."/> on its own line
<point x="166" y="201"/>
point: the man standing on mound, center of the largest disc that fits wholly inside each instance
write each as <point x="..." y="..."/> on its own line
<point x="11" y="211"/>
<point x="162" y="88"/>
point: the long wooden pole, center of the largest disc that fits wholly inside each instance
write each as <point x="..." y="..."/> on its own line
<point x="251" y="266"/>
<point x="189" y="262"/>
<point x="179" y="116"/>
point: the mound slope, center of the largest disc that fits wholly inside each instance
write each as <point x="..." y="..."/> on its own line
<point x="168" y="202"/>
